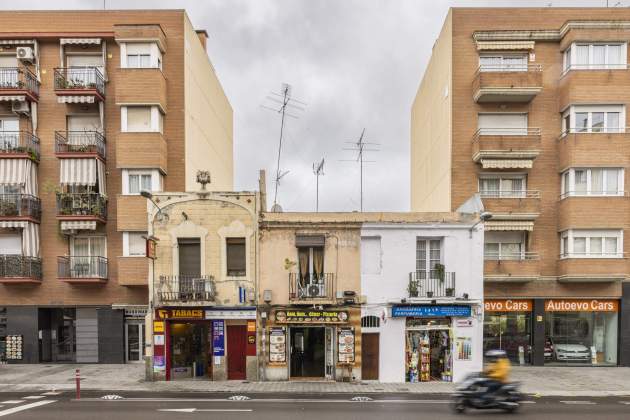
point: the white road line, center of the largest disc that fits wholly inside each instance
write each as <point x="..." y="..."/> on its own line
<point x="624" y="402"/>
<point x="25" y="407"/>
<point x="34" y="397"/>
<point x="579" y="402"/>
<point x="266" y="400"/>
<point x="194" y="410"/>
<point x="13" y="401"/>
<point x="51" y="393"/>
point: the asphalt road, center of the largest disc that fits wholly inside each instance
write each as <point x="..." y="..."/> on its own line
<point x="173" y="406"/>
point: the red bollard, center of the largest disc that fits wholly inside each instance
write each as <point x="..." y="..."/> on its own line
<point x="77" y="379"/>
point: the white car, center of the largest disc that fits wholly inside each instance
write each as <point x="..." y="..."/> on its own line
<point x="571" y="352"/>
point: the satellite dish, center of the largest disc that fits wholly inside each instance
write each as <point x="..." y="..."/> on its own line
<point x="276" y="208"/>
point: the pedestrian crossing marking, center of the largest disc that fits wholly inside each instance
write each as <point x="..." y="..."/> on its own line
<point x="34" y="397"/>
<point x="13" y="401"/>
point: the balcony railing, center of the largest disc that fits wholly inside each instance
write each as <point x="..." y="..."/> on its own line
<point x="507" y="132"/>
<point x="510" y="194"/>
<point x="311" y="286"/>
<point x="80" y="142"/>
<point x="185" y="289"/>
<point x="82" y="267"/>
<point x="82" y="204"/>
<point x="19" y="142"/>
<point x="80" y="78"/>
<point x="20" y="266"/>
<point x="18" y="79"/>
<point x="501" y="68"/>
<point x="20" y="205"/>
<point x="511" y="256"/>
<point x="592" y="130"/>
<point x="431" y="284"/>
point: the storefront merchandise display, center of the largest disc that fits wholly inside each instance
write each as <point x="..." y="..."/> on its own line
<point x="429" y="356"/>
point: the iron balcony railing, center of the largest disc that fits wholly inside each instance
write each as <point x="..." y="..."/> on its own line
<point x="18" y="78"/>
<point x="511" y="256"/>
<point x="20" y="266"/>
<point x="80" y="142"/>
<point x="509" y="68"/>
<point x="507" y="132"/>
<point x="509" y="194"/>
<point x="80" y="78"/>
<point x="20" y="205"/>
<point x="183" y="288"/>
<point x="431" y="283"/>
<point x="19" y="142"/>
<point x="311" y="286"/>
<point x="82" y="267"/>
<point x="82" y="204"/>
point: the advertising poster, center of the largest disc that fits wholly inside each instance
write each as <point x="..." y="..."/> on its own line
<point x="218" y="337"/>
<point x="277" y="345"/>
<point x="346" y="345"/>
<point x="464" y="348"/>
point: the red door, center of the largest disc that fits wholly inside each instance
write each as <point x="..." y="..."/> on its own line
<point x="236" y="348"/>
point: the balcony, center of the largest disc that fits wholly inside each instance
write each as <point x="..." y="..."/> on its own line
<point x="503" y="83"/>
<point x="600" y="148"/>
<point x="82" y="269"/>
<point x="19" y="144"/>
<point x="141" y="150"/>
<point x="511" y="202"/>
<point x="501" y="147"/>
<point x="431" y="284"/>
<point x="87" y="83"/>
<point x="79" y="144"/>
<point x="185" y="289"/>
<point x="20" y="207"/>
<point x="19" y="269"/>
<point x="81" y="206"/>
<point x="511" y="268"/>
<point x="312" y="288"/>
<point x="16" y="81"/>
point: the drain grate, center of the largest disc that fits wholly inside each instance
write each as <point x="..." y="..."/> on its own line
<point x="239" y="398"/>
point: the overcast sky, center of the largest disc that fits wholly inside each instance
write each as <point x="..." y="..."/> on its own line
<point x="356" y="63"/>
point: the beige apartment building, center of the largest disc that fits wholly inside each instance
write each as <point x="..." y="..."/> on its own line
<point x="528" y="108"/>
<point x="95" y="106"/>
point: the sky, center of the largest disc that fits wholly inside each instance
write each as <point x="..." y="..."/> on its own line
<point x="357" y="65"/>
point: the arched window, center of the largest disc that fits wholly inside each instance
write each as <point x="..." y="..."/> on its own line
<point x="370" y="322"/>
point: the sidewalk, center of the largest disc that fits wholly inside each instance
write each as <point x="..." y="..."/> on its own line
<point x="540" y="381"/>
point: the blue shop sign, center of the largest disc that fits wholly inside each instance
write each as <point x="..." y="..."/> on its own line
<point x="218" y="337"/>
<point x="431" y="311"/>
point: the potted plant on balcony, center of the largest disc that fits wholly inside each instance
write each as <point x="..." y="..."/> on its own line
<point x="450" y="291"/>
<point x="412" y="288"/>
<point x="439" y="272"/>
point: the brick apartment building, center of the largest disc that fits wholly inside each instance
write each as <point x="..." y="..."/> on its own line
<point x="95" y="106"/>
<point x="527" y="107"/>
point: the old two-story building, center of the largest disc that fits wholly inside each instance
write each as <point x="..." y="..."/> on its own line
<point x="422" y="278"/>
<point x="202" y="284"/>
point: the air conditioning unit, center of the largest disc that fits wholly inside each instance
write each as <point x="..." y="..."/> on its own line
<point x="20" y="107"/>
<point x="313" y="290"/>
<point x="25" y="54"/>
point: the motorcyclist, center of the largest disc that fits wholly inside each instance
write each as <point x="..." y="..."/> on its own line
<point x="497" y="371"/>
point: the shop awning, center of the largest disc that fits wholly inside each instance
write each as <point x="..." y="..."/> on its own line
<point x="508" y="225"/>
<point x="14" y="171"/>
<point x="78" y="172"/>
<point x="505" y="45"/>
<point x="12" y="98"/>
<point x="506" y="163"/>
<point x="16" y="41"/>
<point x="75" y="99"/>
<point x="78" y="225"/>
<point x="12" y="224"/>
<point x="310" y="240"/>
<point x="80" y="41"/>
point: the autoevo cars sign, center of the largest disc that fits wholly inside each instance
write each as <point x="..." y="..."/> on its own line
<point x="508" y="305"/>
<point x="581" y="305"/>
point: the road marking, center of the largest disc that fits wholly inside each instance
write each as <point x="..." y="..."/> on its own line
<point x="193" y="410"/>
<point x="34" y="397"/>
<point x="624" y="402"/>
<point x="579" y="402"/>
<point x="51" y="393"/>
<point x="25" y="407"/>
<point x="13" y="401"/>
<point x="264" y="400"/>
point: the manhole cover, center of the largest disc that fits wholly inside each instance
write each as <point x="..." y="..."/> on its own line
<point x="239" y="398"/>
<point x="361" y="399"/>
<point x="111" y="397"/>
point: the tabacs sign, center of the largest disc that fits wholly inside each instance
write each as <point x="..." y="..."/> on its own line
<point x="179" y="313"/>
<point x="308" y="316"/>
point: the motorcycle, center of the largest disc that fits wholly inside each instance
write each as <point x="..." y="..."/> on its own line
<point x="471" y="393"/>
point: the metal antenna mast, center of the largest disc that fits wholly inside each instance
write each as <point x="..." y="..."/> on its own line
<point x="359" y="147"/>
<point x="282" y="101"/>
<point x="318" y="169"/>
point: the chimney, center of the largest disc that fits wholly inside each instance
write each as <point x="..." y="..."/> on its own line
<point x="203" y="37"/>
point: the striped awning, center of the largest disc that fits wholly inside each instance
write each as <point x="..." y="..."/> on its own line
<point x="78" y="225"/>
<point x="80" y="41"/>
<point x="75" y="99"/>
<point x="78" y="172"/>
<point x="511" y="225"/>
<point x="12" y="224"/>
<point x="505" y="45"/>
<point x="30" y="236"/>
<point x="506" y="163"/>
<point x="16" y="41"/>
<point x="13" y="98"/>
<point x="14" y="171"/>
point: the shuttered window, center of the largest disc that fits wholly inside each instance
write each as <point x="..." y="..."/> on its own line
<point x="189" y="257"/>
<point x="236" y="259"/>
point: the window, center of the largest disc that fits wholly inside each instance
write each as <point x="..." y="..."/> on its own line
<point x="594" y="119"/>
<point x="504" y="245"/>
<point x="581" y="56"/>
<point x="140" y="119"/>
<point x="136" y="180"/>
<point x="140" y="55"/>
<point x="591" y="244"/>
<point x="371" y="255"/>
<point x="370" y="321"/>
<point x="236" y="257"/>
<point x="508" y="186"/>
<point x="592" y="182"/>
<point x="504" y="124"/>
<point x="189" y="253"/>
<point x="9" y="189"/>
<point x="11" y="243"/>
<point x="428" y="254"/>
<point x="503" y="62"/>
<point x="134" y="244"/>
<point x="88" y="246"/>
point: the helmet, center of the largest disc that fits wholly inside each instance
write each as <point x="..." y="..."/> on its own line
<point x="495" y="354"/>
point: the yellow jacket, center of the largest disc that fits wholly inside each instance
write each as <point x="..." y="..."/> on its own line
<point x="499" y="370"/>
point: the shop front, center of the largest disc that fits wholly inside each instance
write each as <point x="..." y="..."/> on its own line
<point x="210" y="343"/>
<point x="441" y="342"/>
<point x="312" y="344"/>
<point x="507" y="326"/>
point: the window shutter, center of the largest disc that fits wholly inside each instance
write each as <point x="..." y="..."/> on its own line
<point x="310" y="240"/>
<point x="189" y="257"/>
<point x="236" y="258"/>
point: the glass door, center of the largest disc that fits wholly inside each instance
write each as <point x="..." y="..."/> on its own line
<point x="134" y="342"/>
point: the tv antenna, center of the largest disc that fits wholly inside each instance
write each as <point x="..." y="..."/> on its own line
<point x="279" y="103"/>
<point x="360" y="148"/>
<point x="318" y="169"/>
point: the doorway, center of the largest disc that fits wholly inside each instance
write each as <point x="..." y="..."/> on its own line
<point x="189" y="350"/>
<point x="369" y="356"/>
<point x="236" y="346"/>
<point x="308" y="352"/>
<point x="429" y="355"/>
<point x="134" y="342"/>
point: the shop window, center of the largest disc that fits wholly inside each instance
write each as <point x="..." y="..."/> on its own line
<point x="236" y="257"/>
<point x="370" y="321"/>
<point x="509" y="331"/>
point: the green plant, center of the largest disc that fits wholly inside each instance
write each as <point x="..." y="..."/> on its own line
<point x="412" y="288"/>
<point x="8" y="208"/>
<point x="439" y="271"/>
<point x="450" y="291"/>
